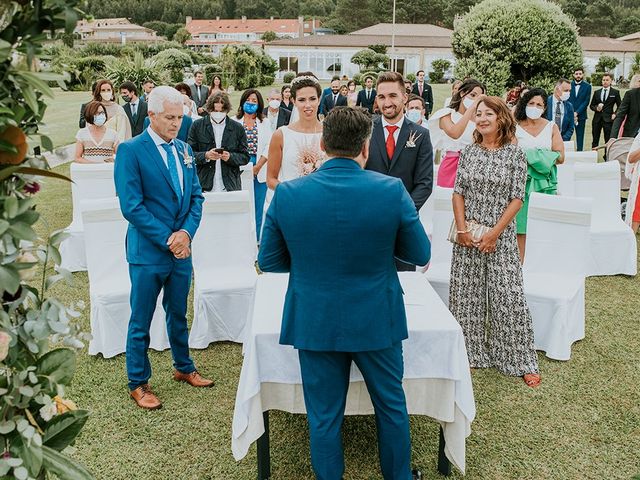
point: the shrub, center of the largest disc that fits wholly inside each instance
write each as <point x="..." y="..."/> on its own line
<point x="500" y="41"/>
<point x="368" y="59"/>
<point x="267" y="80"/>
<point x="174" y="61"/>
<point x="97" y="49"/>
<point x="439" y="66"/>
<point x="607" y="63"/>
<point x="288" y="77"/>
<point x="357" y="78"/>
<point x="253" y="80"/>
<point x="137" y="71"/>
<point x="411" y="77"/>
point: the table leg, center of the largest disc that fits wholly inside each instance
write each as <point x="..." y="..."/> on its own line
<point x="264" y="457"/>
<point x="444" y="465"/>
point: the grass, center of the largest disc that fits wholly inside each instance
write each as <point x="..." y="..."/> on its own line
<point x="582" y="423"/>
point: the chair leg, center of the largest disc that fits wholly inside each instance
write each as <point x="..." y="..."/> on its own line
<point x="264" y="457"/>
<point x="444" y="465"/>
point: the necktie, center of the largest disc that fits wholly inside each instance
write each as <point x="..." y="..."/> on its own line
<point x="391" y="142"/>
<point x="173" y="169"/>
<point x="199" y="94"/>
<point x="134" y="112"/>
<point x="420" y="88"/>
<point x="335" y="99"/>
<point x="368" y="94"/>
<point x="605" y="94"/>
<point x="558" y="116"/>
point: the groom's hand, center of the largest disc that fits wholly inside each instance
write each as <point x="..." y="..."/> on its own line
<point x="179" y="243"/>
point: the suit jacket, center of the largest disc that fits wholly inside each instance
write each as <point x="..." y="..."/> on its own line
<point x="204" y="93"/>
<point x="183" y="133"/>
<point x="343" y="295"/>
<point x="362" y="101"/>
<point x="611" y="104"/>
<point x="568" y="123"/>
<point x="234" y="140"/>
<point x="327" y="103"/>
<point x="149" y="202"/>
<point x="412" y="165"/>
<point x="629" y="112"/>
<point x="427" y="96"/>
<point x="82" y="122"/>
<point x="138" y="125"/>
<point x="284" y="116"/>
<point x="580" y="102"/>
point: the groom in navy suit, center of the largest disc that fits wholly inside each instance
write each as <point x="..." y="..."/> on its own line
<point x="344" y="302"/>
<point x="160" y="196"/>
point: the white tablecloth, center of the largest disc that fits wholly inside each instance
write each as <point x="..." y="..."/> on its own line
<point x="437" y="378"/>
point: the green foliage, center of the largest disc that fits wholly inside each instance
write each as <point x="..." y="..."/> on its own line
<point x="368" y="59"/>
<point x="378" y="48"/>
<point x="439" y="66"/>
<point x="182" y="35"/>
<point x="164" y="29"/>
<point x="136" y="70"/>
<point x="269" y="36"/>
<point x="245" y="66"/>
<point x="33" y="378"/>
<point x="81" y="71"/>
<point x="635" y="66"/>
<point x="499" y="42"/>
<point x="603" y="17"/>
<point x="411" y="77"/>
<point x="288" y="77"/>
<point x="606" y="63"/>
<point x="173" y="61"/>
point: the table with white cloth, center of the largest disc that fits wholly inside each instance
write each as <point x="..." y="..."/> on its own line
<point x="437" y="379"/>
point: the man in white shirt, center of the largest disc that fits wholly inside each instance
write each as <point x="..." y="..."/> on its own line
<point x="560" y="110"/>
<point x="134" y="107"/>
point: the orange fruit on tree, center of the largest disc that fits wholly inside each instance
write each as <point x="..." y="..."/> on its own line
<point x="18" y="139"/>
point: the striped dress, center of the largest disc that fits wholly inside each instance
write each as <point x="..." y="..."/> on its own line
<point x="97" y="152"/>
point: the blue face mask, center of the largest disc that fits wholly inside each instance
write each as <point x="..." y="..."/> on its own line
<point x="414" y="115"/>
<point x="250" y="108"/>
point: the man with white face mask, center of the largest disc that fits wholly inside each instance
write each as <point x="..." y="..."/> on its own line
<point x="277" y="115"/>
<point x="559" y="109"/>
<point x="416" y="111"/>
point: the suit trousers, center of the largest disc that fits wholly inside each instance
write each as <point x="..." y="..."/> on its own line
<point x="582" y="123"/>
<point x="325" y="382"/>
<point x="598" y="125"/>
<point x="146" y="283"/>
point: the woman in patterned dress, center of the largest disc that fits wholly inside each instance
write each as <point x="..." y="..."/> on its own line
<point x="96" y="143"/>
<point x="486" y="293"/>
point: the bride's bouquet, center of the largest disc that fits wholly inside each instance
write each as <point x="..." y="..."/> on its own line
<point x="310" y="159"/>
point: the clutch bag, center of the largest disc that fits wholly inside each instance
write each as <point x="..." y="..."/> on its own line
<point x="477" y="230"/>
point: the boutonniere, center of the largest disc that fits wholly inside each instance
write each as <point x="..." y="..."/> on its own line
<point x="187" y="159"/>
<point x="413" y="138"/>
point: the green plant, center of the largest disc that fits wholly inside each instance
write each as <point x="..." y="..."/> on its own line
<point x="269" y="36"/>
<point x="36" y="422"/>
<point x="182" y="35"/>
<point x="244" y="66"/>
<point x="411" y="77"/>
<point x="174" y="61"/>
<point x="288" y="77"/>
<point x="635" y="66"/>
<point x="606" y="63"/>
<point x="500" y="41"/>
<point x="439" y="66"/>
<point x="137" y="71"/>
<point x="267" y="80"/>
<point x="368" y="59"/>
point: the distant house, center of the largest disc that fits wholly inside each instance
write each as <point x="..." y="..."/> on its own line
<point x="213" y="35"/>
<point x="594" y="47"/>
<point x="115" y="30"/>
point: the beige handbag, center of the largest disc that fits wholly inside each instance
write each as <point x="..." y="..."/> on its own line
<point x="477" y="230"/>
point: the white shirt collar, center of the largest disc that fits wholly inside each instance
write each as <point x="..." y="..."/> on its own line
<point x="157" y="139"/>
<point x="385" y="123"/>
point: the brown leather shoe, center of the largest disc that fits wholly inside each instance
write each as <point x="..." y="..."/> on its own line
<point x="145" y="398"/>
<point x="194" y="379"/>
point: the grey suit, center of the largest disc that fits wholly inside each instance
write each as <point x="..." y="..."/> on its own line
<point x="137" y="123"/>
<point x="201" y="97"/>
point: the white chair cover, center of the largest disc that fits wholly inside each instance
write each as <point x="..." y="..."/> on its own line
<point x="246" y="179"/>
<point x="426" y="212"/>
<point x="613" y="243"/>
<point x="589" y="156"/>
<point x="555" y="265"/>
<point x="439" y="271"/>
<point x="109" y="285"/>
<point x="566" y="176"/>
<point x="569" y="146"/>
<point x="90" y="181"/>
<point x="224" y="252"/>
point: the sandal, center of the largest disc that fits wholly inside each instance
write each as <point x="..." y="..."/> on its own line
<point x="532" y="379"/>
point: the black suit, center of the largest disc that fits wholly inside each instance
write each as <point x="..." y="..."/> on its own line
<point x="602" y="120"/>
<point x="82" y="123"/>
<point x="234" y="140"/>
<point x="427" y="96"/>
<point x="327" y="103"/>
<point x="284" y="115"/>
<point x="629" y="110"/>
<point x="204" y="94"/>
<point x="137" y="124"/>
<point x="364" y="102"/>
<point x="412" y="165"/>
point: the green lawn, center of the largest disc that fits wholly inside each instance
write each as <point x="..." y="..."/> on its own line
<point x="582" y="423"/>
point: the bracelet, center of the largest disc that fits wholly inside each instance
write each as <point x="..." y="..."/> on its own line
<point x="462" y="231"/>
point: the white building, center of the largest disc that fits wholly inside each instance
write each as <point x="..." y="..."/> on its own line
<point x="115" y="30"/>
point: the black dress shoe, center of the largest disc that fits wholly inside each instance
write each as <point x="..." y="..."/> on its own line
<point x="416" y="474"/>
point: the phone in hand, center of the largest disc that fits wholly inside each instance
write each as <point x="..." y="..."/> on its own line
<point x="219" y="150"/>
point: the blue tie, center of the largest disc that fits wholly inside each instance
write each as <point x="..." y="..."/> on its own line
<point x="173" y="170"/>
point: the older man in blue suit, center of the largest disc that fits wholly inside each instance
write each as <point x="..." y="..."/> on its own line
<point x="579" y="100"/>
<point x="560" y="110"/>
<point x="160" y="196"/>
<point x="344" y="302"/>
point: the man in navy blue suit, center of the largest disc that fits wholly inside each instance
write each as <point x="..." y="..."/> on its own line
<point x="344" y="302"/>
<point x="560" y="110"/>
<point x="579" y="100"/>
<point x="160" y="196"/>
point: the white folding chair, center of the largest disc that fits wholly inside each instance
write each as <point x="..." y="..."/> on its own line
<point x="569" y="146"/>
<point x="566" y="177"/>
<point x="589" y="156"/>
<point x="109" y="286"/>
<point x="246" y="178"/>
<point x="613" y="243"/>
<point x="224" y="252"/>
<point x="426" y="212"/>
<point x="439" y="271"/>
<point x="556" y="260"/>
<point x="90" y="181"/>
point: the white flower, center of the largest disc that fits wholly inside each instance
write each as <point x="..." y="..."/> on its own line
<point x="5" y="339"/>
<point x="187" y="159"/>
<point x="413" y="138"/>
<point x="49" y="411"/>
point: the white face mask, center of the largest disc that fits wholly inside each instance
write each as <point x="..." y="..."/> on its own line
<point x="99" y="119"/>
<point x="534" y="113"/>
<point x="274" y="104"/>
<point x="468" y="102"/>
<point x="218" y="116"/>
<point x="106" y="96"/>
<point x="565" y="96"/>
<point x="413" y="115"/>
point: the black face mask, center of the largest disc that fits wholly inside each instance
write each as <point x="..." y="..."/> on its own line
<point x="335" y="92"/>
<point x="126" y="98"/>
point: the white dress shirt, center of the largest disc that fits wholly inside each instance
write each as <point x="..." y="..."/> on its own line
<point x="134" y="108"/>
<point x="218" y="131"/>
<point x="604" y="95"/>
<point x="273" y="118"/>
<point x="178" y="158"/>
<point x="577" y="87"/>
<point x="396" y="133"/>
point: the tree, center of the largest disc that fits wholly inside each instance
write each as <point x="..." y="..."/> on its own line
<point x="182" y="35"/>
<point x="163" y="28"/>
<point x="439" y="66"/>
<point x="174" y="61"/>
<point x="606" y="63"/>
<point x="499" y="42"/>
<point x="635" y="66"/>
<point x="368" y="59"/>
<point x="269" y="36"/>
